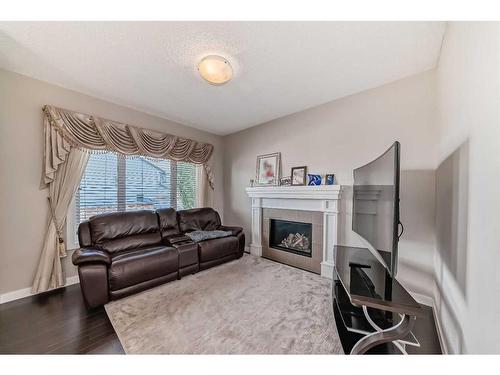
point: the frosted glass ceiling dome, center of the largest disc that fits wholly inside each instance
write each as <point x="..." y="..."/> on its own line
<point x="215" y="69"/>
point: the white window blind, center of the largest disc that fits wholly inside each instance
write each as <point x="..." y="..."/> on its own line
<point x="119" y="183"/>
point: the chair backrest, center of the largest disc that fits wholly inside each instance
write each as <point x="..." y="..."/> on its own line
<point x="119" y="231"/>
<point x="198" y="219"/>
<point x="167" y="220"/>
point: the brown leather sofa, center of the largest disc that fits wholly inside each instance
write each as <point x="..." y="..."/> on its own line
<point x="127" y="252"/>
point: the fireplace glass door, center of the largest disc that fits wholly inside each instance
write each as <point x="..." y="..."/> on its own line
<point x="292" y="236"/>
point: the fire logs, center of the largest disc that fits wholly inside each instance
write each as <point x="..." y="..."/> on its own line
<point x="296" y="241"/>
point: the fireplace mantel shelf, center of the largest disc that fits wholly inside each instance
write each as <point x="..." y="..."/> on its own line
<point x="323" y="198"/>
<point x="295" y="192"/>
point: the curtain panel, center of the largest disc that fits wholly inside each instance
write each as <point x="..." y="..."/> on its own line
<point x="49" y="273"/>
<point x="69" y="138"/>
<point x="66" y="129"/>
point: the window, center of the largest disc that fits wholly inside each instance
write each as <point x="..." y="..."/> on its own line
<point x="114" y="182"/>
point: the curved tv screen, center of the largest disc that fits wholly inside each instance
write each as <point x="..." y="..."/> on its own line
<point x="376" y="205"/>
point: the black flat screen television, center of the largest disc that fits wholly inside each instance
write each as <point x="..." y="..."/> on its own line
<point x="376" y="206"/>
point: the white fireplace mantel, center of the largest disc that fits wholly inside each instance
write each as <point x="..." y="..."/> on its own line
<point x="323" y="198"/>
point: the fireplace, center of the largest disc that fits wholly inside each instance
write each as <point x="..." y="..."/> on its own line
<point x="291" y="236"/>
<point x="319" y="205"/>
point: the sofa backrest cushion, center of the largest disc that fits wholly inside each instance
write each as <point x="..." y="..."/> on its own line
<point x="119" y="231"/>
<point x="167" y="219"/>
<point x="198" y="219"/>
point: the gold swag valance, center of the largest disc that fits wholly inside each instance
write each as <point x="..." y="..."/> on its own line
<point x="66" y="129"/>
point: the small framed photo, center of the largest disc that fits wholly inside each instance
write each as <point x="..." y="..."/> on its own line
<point x="286" y="181"/>
<point x="299" y="176"/>
<point x="268" y="169"/>
<point x="330" y="179"/>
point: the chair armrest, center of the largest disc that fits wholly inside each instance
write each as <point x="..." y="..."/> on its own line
<point x="234" y="230"/>
<point x="90" y="255"/>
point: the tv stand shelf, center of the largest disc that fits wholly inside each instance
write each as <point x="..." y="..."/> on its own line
<point x="371" y="307"/>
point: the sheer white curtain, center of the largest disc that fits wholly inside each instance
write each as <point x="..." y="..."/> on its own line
<point x="205" y="186"/>
<point x="49" y="274"/>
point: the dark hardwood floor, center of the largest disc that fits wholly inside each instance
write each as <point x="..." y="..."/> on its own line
<point x="57" y="322"/>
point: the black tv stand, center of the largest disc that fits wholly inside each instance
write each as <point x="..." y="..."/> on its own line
<point x="374" y="313"/>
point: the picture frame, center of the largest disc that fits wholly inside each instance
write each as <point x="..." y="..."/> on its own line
<point x="268" y="169"/>
<point x="286" y="181"/>
<point x="299" y="176"/>
<point x="330" y="179"/>
<point x="313" y="179"/>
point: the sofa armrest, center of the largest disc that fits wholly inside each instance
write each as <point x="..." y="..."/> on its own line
<point x="90" y="255"/>
<point x="234" y="230"/>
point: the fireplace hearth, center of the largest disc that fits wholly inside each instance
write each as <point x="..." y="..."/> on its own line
<point x="291" y="236"/>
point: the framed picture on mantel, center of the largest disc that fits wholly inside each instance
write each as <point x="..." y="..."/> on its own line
<point x="268" y="169"/>
<point x="299" y="175"/>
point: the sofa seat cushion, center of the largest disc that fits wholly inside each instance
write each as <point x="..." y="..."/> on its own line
<point x="217" y="248"/>
<point x="133" y="267"/>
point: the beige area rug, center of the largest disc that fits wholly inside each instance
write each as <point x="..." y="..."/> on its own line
<point x="248" y="306"/>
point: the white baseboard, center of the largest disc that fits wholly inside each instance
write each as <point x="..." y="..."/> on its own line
<point x="26" y="292"/>
<point x="439" y="329"/>
<point x="327" y="270"/>
<point x="256" y="250"/>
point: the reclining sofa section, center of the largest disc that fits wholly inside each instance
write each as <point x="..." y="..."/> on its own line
<point x="122" y="253"/>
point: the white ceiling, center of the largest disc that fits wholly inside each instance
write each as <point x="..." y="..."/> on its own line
<point x="280" y="67"/>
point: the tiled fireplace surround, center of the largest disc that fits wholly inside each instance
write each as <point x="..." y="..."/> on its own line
<point x="313" y="263"/>
<point x="318" y="205"/>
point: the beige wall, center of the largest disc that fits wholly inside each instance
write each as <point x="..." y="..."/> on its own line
<point x="23" y="211"/>
<point x="342" y="135"/>
<point x="468" y="180"/>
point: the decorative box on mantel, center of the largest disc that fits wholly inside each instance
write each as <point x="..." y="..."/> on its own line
<point x="323" y="198"/>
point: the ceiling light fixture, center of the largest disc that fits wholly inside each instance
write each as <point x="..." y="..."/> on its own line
<point x="216" y="70"/>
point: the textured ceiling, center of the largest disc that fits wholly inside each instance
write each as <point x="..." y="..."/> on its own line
<point x="280" y="67"/>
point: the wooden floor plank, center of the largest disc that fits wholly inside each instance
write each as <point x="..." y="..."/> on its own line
<point x="56" y="322"/>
